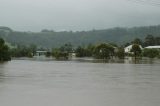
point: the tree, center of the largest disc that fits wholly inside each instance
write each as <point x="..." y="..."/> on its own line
<point x="33" y="49"/>
<point x="63" y="51"/>
<point x="137" y="41"/>
<point x="126" y="44"/>
<point x="89" y="50"/>
<point x="80" y="52"/>
<point x="120" y="54"/>
<point x="149" y="41"/>
<point x="136" y="50"/>
<point x="157" y="40"/>
<point x="58" y="54"/>
<point x="4" y="51"/>
<point x="66" y="47"/>
<point x="22" y="51"/>
<point x="103" y="51"/>
<point x="48" y="54"/>
<point x="84" y="51"/>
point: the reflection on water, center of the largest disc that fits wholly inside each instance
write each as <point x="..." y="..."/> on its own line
<point x="80" y="82"/>
<point x="127" y="60"/>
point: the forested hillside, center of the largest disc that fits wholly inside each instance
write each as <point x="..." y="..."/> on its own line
<point x="47" y="38"/>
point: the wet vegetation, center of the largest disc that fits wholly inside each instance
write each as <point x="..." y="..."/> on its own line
<point x="52" y="39"/>
<point x="100" y="50"/>
<point x="4" y="51"/>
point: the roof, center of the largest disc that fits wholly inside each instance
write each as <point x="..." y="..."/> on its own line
<point x="153" y="47"/>
<point x="41" y="51"/>
<point x="130" y="46"/>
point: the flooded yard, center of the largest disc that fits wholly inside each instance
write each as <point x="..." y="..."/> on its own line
<point x="74" y="83"/>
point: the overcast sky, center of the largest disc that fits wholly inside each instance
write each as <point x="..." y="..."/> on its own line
<point x="34" y="15"/>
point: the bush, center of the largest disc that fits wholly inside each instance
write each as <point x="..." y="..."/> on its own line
<point x="103" y="51"/>
<point x="120" y="54"/>
<point x="151" y="53"/>
<point x="58" y="54"/>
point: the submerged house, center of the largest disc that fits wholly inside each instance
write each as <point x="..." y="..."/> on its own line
<point x="41" y="53"/>
<point x="128" y="48"/>
<point x="153" y="47"/>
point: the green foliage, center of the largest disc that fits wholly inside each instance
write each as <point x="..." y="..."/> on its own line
<point x="63" y="51"/>
<point x="157" y="41"/>
<point x="23" y="51"/>
<point x="89" y="50"/>
<point x="48" y="54"/>
<point x="48" y="38"/>
<point x="136" y="50"/>
<point x="1" y="42"/>
<point x="120" y="53"/>
<point x="32" y="48"/>
<point x="149" y="41"/>
<point x="4" y="51"/>
<point x="126" y="44"/>
<point x="5" y="28"/>
<point x="80" y="52"/>
<point x="66" y="48"/>
<point x="103" y="51"/>
<point x="137" y="41"/>
<point x="151" y="53"/>
<point x="84" y="51"/>
<point x="113" y="44"/>
<point x="58" y="54"/>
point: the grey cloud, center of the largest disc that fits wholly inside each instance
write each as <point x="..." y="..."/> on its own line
<point x="35" y="15"/>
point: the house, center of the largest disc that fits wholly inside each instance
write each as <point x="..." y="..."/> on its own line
<point x="39" y="53"/>
<point x="128" y="48"/>
<point x="72" y="55"/>
<point x="153" y="47"/>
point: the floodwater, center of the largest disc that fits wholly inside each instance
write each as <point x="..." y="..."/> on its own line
<point x="73" y="83"/>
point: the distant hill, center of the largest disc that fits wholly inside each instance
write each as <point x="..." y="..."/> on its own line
<point x="50" y="39"/>
<point x="2" y="28"/>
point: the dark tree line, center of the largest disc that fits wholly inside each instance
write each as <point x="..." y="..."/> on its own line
<point x="149" y="40"/>
<point x="99" y="50"/>
<point x="85" y="51"/>
<point x="4" y="51"/>
<point x="49" y="38"/>
<point x="23" y="51"/>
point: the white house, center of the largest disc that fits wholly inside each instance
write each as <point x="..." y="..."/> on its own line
<point x="128" y="48"/>
<point x="153" y="47"/>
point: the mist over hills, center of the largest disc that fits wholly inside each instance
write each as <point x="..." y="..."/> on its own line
<point x="50" y="38"/>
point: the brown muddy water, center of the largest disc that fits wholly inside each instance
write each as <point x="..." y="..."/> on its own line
<point x="74" y="83"/>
